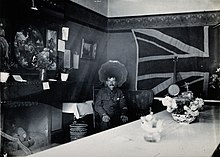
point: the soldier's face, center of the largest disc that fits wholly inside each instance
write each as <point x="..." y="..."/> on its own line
<point x="111" y="82"/>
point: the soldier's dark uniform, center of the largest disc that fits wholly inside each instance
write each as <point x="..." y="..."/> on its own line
<point x="111" y="103"/>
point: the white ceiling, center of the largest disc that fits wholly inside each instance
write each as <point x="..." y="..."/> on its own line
<point x="120" y="8"/>
<point x="152" y="7"/>
<point x="100" y="6"/>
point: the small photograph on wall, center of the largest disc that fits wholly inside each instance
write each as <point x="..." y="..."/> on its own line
<point x="51" y="43"/>
<point x="88" y="49"/>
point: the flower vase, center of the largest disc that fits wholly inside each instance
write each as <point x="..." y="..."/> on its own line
<point x="152" y="127"/>
<point x="152" y="136"/>
<point x="43" y="74"/>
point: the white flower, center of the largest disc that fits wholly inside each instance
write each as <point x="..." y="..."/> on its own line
<point x="200" y="102"/>
<point x="194" y="107"/>
<point x="173" y="103"/>
<point x="195" y="113"/>
<point x="147" y="125"/>
<point x="196" y="102"/>
<point x="149" y="117"/>
<point x="169" y="109"/>
<point x="167" y="101"/>
<point x="186" y="108"/>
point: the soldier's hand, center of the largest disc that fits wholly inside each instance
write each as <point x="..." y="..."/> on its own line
<point x="105" y="118"/>
<point x="124" y="118"/>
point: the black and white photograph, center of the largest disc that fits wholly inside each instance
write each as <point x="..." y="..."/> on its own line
<point x="110" y="78"/>
<point x="51" y="44"/>
<point x="88" y="49"/>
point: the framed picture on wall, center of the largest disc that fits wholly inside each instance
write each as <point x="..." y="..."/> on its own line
<point x="28" y="42"/>
<point x="51" y="43"/>
<point x="88" y="49"/>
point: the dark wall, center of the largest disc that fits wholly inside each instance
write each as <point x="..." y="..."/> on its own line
<point x="122" y="47"/>
<point x="82" y="23"/>
<point x="87" y="74"/>
<point x="214" y="48"/>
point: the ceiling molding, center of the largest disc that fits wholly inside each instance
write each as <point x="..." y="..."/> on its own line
<point x="161" y="21"/>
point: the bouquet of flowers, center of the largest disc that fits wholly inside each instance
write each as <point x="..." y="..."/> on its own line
<point x="184" y="108"/>
<point x="44" y="59"/>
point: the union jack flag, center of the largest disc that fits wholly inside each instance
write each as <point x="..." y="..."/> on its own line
<point x="156" y="49"/>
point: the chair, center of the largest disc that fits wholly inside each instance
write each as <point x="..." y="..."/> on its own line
<point x="96" y="118"/>
<point x="139" y="103"/>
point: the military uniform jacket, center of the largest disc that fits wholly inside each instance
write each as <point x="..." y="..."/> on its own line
<point x="110" y="102"/>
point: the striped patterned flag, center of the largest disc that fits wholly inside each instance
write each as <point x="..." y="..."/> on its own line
<point x="156" y="49"/>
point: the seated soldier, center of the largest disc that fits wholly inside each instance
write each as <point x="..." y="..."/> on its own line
<point x="110" y="105"/>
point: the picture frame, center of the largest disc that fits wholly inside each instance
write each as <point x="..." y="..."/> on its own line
<point x="88" y="49"/>
<point x="51" y="43"/>
<point x="24" y="38"/>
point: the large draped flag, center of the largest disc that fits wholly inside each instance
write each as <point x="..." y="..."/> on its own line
<point x="156" y="49"/>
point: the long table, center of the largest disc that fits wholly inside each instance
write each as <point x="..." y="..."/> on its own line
<point x="198" y="139"/>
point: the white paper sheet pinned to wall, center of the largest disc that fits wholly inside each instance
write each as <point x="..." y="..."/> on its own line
<point x="61" y="45"/>
<point x="19" y="78"/>
<point x="66" y="58"/>
<point x="46" y="86"/>
<point x="76" y="61"/>
<point x="65" y="33"/>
